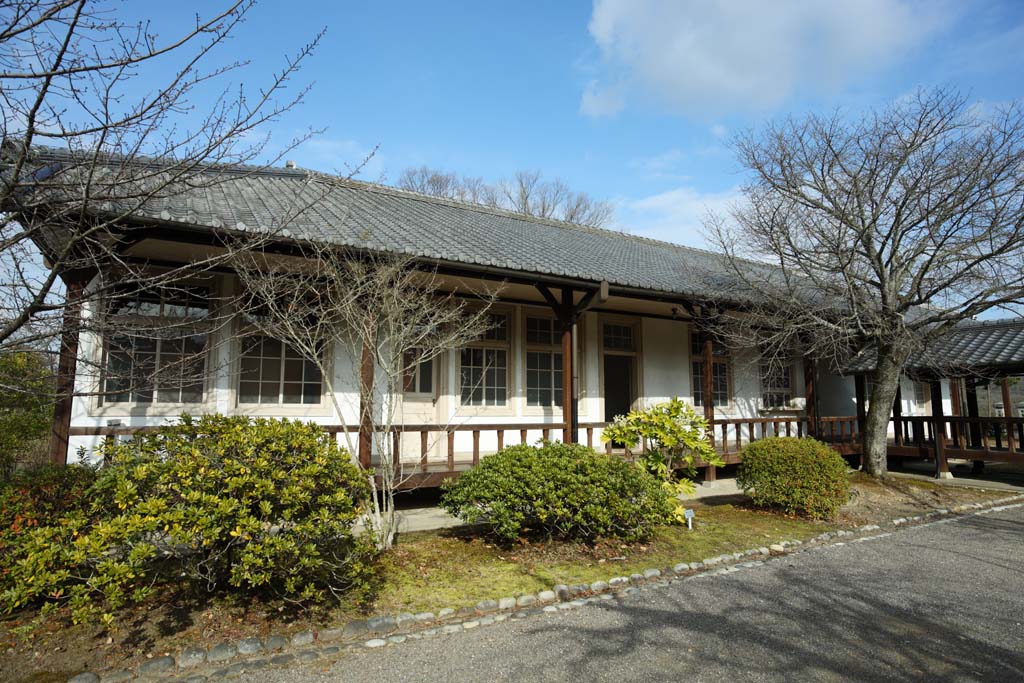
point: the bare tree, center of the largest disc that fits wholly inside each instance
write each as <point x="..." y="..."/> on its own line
<point x="96" y="132"/>
<point x="526" y="193"/>
<point x="379" y="314"/>
<point x="875" y="235"/>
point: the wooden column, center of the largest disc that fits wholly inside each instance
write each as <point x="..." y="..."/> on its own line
<point x="567" y="311"/>
<point x="957" y="410"/>
<point x="568" y="388"/>
<point x="954" y="398"/>
<point x="1008" y="416"/>
<point x="860" y="393"/>
<point x="939" y="432"/>
<point x="811" y="394"/>
<point x="67" y="365"/>
<point x="974" y="428"/>
<point x="366" y="371"/>
<point x="897" y="414"/>
<point x="709" y="399"/>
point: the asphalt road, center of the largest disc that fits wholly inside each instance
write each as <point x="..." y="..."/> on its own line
<point x="941" y="602"/>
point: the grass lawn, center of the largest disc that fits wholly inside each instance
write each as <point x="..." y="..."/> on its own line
<point x="427" y="571"/>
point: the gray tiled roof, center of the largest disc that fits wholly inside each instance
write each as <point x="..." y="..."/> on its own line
<point x="973" y="346"/>
<point x="371" y="216"/>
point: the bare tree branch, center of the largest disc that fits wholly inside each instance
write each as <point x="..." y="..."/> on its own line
<point x="333" y="304"/>
<point x="880" y="233"/>
<point x="526" y="193"/>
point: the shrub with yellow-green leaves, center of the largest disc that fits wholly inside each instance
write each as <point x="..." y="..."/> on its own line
<point x="675" y="437"/>
<point x="257" y="506"/>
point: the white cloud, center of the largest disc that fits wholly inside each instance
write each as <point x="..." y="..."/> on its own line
<point x="676" y="215"/>
<point x="601" y="101"/>
<point x="709" y="55"/>
<point x="719" y="131"/>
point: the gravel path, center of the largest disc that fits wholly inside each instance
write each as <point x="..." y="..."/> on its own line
<point x="940" y="602"/>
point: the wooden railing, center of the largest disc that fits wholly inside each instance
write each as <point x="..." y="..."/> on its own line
<point x="939" y="438"/>
<point x="730" y="435"/>
<point x="970" y="438"/>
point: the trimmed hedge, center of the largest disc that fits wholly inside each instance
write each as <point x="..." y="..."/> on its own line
<point x="223" y="503"/>
<point x="561" y="491"/>
<point x="796" y="475"/>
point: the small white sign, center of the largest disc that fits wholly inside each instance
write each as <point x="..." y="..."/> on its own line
<point x="688" y="514"/>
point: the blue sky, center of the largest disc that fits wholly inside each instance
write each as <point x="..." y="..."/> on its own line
<point x="630" y="100"/>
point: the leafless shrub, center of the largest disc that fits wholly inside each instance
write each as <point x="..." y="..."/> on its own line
<point x="379" y="313"/>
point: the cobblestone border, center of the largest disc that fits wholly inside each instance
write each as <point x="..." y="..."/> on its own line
<point x="386" y="630"/>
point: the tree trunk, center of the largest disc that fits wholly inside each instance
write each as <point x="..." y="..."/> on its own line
<point x="876" y="428"/>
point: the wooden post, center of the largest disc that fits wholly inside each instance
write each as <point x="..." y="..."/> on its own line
<point x="67" y="365"/>
<point x="366" y="407"/>
<point x="957" y="410"/>
<point x="568" y="393"/>
<point x="811" y="396"/>
<point x="974" y="428"/>
<point x="954" y="397"/>
<point x="709" y="400"/>
<point x="1008" y="416"/>
<point x="939" y="432"/>
<point x="897" y="414"/>
<point x="424" y="448"/>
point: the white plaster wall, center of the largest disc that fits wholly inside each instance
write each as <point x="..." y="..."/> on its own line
<point x="665" y="360"/>
<point x="664" y="371"/>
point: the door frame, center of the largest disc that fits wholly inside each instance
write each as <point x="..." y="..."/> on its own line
<point x="636" y="381"/>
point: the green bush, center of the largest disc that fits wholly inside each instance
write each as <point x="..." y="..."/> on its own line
<point x="250" y="505"/>
<point x="26" y="408"/>
<point x="797" y="475"/>
<point x="562" y="491"/>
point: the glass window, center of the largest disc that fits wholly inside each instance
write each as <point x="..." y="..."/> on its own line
<point x="697" y="346"/>
<point x="618" y="337"/>
<point x="484" y="376"/>
<point x="543" y="378"/>
<point x="483" y="366"/>
<point x="720" y="369"/>
<point x="776" y="385"/>
<point x="274" y="373"/>
<point x="159" y="356"/>
<point x="543" y="362"/>
<point x="540" y="331"/>
<point x="419" y="374"/>
<point x="719" y="383"/>
<point x="497" y="329"/>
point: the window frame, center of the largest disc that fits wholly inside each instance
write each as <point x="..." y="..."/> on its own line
<point x="720" y="356"/>
<point x="280" y="404"/>
<point x="637" y="380"/>
<point x="505" y="345"/>
<point x="552" y="349"/>
<point x="101" y="403"/>
<point x="790" y="372"/>
<point x="417" y="394"/>
<point x="324" y="408"/>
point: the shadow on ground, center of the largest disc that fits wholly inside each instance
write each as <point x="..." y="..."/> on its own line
<point x="822" y="625"/>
